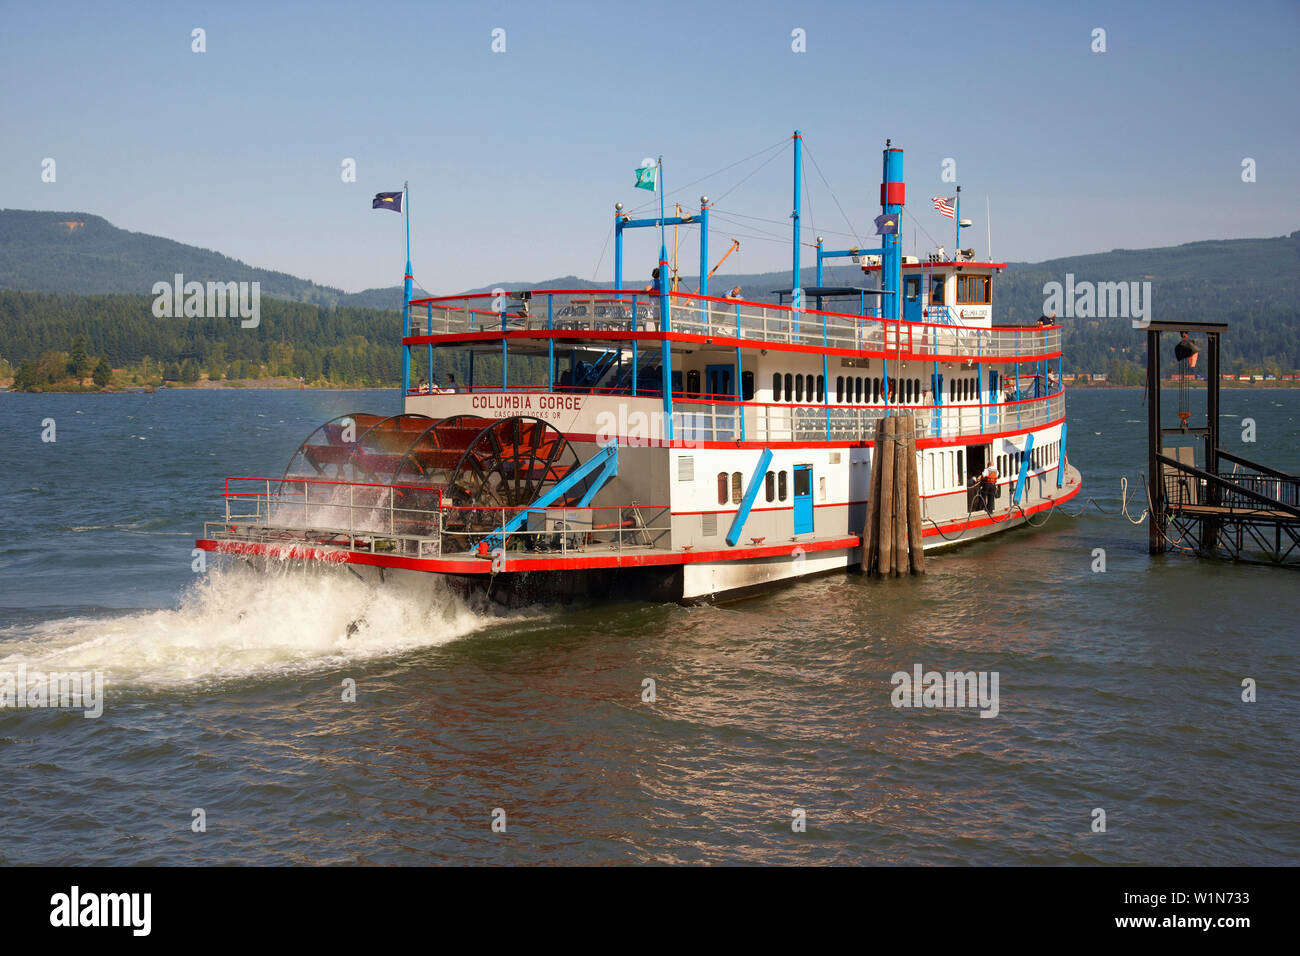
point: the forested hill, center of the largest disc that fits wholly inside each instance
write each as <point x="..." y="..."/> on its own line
<point x="79" y="253"/>
<point x="69" y="274"/>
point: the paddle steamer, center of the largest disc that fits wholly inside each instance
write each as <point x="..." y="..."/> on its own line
<point x="673" y="445"/>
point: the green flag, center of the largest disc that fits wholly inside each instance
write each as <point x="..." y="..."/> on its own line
<point x="647" y="177"/>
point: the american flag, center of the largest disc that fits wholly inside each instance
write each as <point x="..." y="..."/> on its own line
<point x="944" y="205"/>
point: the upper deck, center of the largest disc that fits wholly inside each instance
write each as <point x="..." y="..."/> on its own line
<point x="604" y="316"/>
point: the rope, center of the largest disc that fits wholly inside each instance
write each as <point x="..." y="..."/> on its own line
<point x="778" y="222"/>
<point x="847" y="221"/>
<point x="654" y="202"/>
<point x="603" y="249"/>
<point x="749" y="177"/>
<point x="1019" y="511"/>
<point x="916" y="222"/>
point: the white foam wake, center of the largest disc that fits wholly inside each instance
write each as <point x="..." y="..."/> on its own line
<point x="241" y="622"/>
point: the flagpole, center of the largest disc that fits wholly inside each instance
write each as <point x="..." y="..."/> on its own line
<point x="956" y="242"/>
<point x="665" y="319"/>
<point x="406" y="295"/>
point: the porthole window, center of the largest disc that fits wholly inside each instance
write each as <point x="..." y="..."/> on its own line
<point x="789" y="387"/>
<point x="722" y="487"/>
<point x="781" y="486"/>
<point x="821" y="389"/>
<point x="736" y="492"/>
<point x="798" y="388"/>
<point x="776" y="386"/>
<point x="839" y="390"/>
<point x="769" y="484"/>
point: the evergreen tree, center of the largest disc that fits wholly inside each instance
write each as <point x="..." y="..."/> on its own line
<point x="103" y="373"/>
<point x="79" y="361"/>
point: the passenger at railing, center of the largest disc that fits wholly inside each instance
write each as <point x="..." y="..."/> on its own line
<point x="733" y="293"/>
<point x="1053" y="381"/>
<point x="434" y="387"/>
<point x="451" y="383"/>
<point x="1045" y="320"/>
<point x="654" y="282"/>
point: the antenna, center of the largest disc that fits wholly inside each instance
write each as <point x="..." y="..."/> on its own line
<point x="988" y="224"/>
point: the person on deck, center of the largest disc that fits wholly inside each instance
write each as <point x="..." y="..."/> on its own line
<point x="988" y="488"/>
<point x="451" y="383"/>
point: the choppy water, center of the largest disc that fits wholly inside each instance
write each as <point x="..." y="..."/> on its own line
<point x="1118" y="690"/>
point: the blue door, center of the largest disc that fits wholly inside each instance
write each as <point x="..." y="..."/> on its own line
<point x="911" y="298"/>
<point x="803" y="504"/>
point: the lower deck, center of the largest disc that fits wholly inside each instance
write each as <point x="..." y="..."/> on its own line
<point x="563" y="561"/>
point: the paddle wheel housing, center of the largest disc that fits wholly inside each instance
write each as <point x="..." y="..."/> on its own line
<point x="456" y="478"/>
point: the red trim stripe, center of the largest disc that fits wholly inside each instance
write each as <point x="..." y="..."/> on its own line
<point x="720" y="341"/>
<point x="483" y="566"/>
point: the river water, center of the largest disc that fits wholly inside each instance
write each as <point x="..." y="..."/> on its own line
<point x="772" y="736"/>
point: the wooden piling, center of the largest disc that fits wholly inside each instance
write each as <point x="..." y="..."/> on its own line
<point x="902" y="432"/>
<point x="884" y="504"/>
<point x="915" y="533"/>
<point x="871" y="530"/>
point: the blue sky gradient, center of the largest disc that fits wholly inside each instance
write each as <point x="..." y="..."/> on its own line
<point x="515" y="159"/>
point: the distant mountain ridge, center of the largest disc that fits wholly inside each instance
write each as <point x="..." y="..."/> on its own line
<point x="1253" y="284"/>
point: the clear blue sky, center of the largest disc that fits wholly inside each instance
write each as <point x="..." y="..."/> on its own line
<point x="515" y="159"/>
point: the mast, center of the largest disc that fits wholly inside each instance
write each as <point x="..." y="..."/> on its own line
<point x="796" y="291"/>
<point x="406" y="292"/>
<point x="665" y="319"/>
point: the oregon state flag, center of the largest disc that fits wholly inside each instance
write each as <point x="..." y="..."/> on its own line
<point x="391" y="201"/>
